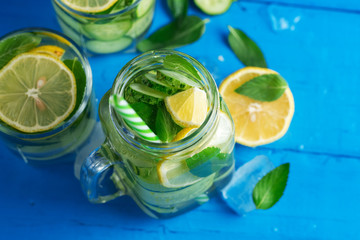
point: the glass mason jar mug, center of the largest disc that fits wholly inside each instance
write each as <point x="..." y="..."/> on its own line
<point x="164" y="179"/>
<point x="113" y="30"/>
<point x="44" y="53"/>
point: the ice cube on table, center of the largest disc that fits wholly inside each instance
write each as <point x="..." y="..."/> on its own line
<point x="238" y="192"/>
<point x="284" y="18"/>
<point x="95" y="140"/>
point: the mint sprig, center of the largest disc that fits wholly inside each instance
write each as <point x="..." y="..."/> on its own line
<point x="76" y="67"/>
<point x="165" y="127"/>
<point x="146" y="112"/>
<point x="174" y="35"/>
<point x="265" y="88"/>
<point x="178" y="9"/>
<point x="207" y="161"/>
<point x="13" y="46"/>
<point x="270" y="188"/>
<point x="245" y="48"/>
<point x="177" y="63"/>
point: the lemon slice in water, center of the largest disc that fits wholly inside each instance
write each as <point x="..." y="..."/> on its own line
<point x="52" y="50"/>
<point x="90" y="6"/>
<point x="188" y="108"/>
<point x="37" y="92"/>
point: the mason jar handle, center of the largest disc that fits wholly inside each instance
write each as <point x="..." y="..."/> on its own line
<point x="97" y="177"/>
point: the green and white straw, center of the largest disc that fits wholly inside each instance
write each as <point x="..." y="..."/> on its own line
<point x="129" y="115"/>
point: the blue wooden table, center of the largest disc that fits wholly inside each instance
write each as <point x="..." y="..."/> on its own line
<point x="315" y="45"/>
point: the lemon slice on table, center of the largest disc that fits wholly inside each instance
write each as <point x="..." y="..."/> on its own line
<point x="90" y="6"/>
<point x="188" y="108"/>
<point x="175" y="174"/>
<point x="52" y="50"/>
<point x="37" y="92"/>
<point x="256" y="122"/>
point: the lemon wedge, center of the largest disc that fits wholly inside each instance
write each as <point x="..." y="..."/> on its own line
<point x="188" y="108"/>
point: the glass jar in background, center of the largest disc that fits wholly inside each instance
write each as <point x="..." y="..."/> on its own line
<point x="70" y="138"/>
<point x="114" y="30"/>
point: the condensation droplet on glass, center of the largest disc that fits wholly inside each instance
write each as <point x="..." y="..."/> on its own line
<point x="283" y="18"/>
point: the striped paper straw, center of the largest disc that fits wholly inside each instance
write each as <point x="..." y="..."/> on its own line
<point x="132" y="119"/>
<point x="202" y="198"/>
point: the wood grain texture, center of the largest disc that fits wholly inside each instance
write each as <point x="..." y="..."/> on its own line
<point x="319" y="59"/>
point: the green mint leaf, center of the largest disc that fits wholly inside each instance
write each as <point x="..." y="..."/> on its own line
<point x="147" y="112"/>
<point x="173" y="35"/>
<point x="75" y="66"/>
<point x="271" y="187"/>
<point x="11" y="47"/>
<point x="265" y="88"/>
<point x="178" y="9"/>
<point x="208" y="161"/>
<point x="165" y="127"/>
<point x="177" y="63"/>
<point x="246" y="49"/>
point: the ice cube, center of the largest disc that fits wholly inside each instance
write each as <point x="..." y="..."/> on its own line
<point x="284" y="18"/>
<point x="238" y="192"/>
<point x="95" y="139"/>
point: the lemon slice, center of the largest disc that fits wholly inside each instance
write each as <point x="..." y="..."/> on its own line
<point x="37" y="92"/>
<point x="90" y="6"/>
<point x="183" y="133"/>
<point x="224" y="132"/>
<point x="175" y="174"/>
<point x="188" y="108"/>
<point x="52" y="50"/>
<point x="256" y="122"/>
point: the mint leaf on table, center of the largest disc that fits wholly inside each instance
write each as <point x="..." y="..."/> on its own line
<point x="178" y="9"/>
<point x="207" y="161"/>
<point x="177" y="63"/>
<point x="245" y="49"/>
<point x="271" y="187"/>
<point x="146" y="112"/>
<point x="174" y="35"/>
<point x="165" y="127"/>
<point x="75" y="66"/>
<point x="11" y="47"/>
<point x="266" y="88"/>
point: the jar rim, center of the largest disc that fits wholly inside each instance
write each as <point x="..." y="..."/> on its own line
<point x="211" y="90"/>
<point x="87" y="93"/>
<point x="94" y="16"/>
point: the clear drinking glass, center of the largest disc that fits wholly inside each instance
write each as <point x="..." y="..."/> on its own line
<point x="127" y="164"/>
<point x="106" y="32"/>
<point x="69" y="138"/>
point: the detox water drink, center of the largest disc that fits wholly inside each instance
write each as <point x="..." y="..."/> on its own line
<point x="47" y="108"/>
<point x="195" y="155"/>
<point x="115" y="28"/>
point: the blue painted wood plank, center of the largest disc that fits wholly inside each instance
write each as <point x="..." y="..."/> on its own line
<point x="315" y="206"/>
<point x="350" y="5"/>
<point x="319" y="60"/>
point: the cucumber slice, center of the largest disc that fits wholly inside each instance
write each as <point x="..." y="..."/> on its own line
<point x="69" y="32"/>
<point x="139" y="92"/>
<point x="151" y="81"/>
<point x="176" y="80"/>
<point x="97" y="46"/>
<point x="143" y="7"/>
<point x="213" y="7"/>
<point x="109" y="31"/>
<point x="141" y="25"/>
